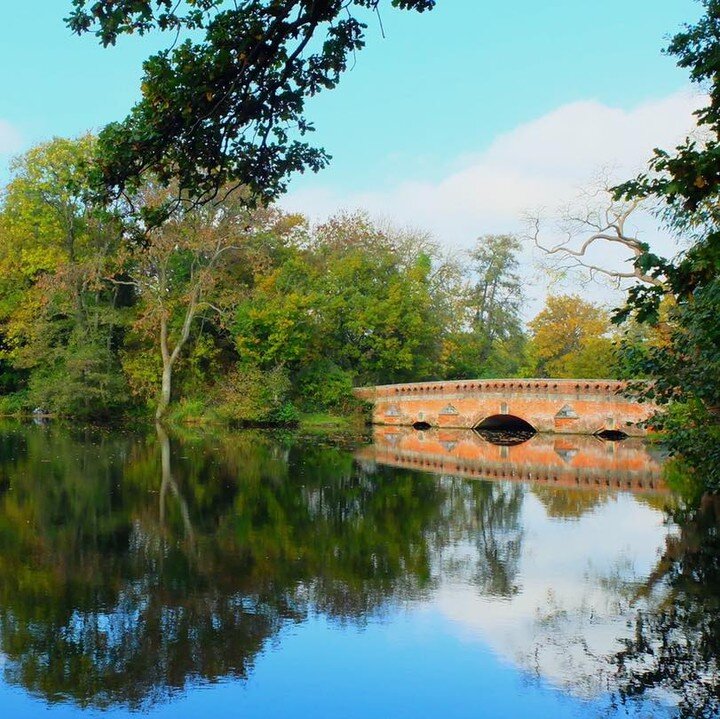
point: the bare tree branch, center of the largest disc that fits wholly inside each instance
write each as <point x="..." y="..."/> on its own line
<point x="601" y="221"/>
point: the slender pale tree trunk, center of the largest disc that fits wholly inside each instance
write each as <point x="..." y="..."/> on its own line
<point x="166" y="386"/>
<point x="170" y="357"/>
<point x="165" y="392"/>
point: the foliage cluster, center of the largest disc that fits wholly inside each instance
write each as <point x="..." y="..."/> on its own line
<point x="685" y="183"/>
<point x="249" y="314"/>
<point x="225" y="102"/>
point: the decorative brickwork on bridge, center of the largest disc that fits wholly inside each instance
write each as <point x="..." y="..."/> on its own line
<point x="549" y="405"/>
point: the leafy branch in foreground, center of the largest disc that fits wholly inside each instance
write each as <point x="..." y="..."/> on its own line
<point x="686" y="369"/>
<point x="224" y="106"/>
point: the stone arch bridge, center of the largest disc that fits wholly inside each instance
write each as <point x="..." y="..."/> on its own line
<point x="548" y="405"/>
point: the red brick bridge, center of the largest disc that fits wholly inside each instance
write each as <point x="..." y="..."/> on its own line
<point x="567" y="406"/>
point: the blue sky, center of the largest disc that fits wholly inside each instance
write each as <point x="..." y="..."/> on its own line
<point x="439" y="85"/>
<point x="446" y="83"/>
<point x="456" y="122"/>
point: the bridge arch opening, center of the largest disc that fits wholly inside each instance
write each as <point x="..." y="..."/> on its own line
<point x="422" y="425"/>
<point x="505" y="429"/>
<point x="611" y="435"/>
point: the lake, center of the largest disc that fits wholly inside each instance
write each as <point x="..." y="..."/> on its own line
<point x="404" y="574"/>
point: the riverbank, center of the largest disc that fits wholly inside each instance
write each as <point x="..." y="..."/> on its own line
<point x="199" y="414"/>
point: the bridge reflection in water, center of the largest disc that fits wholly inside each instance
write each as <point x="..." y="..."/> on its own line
<point x="557" y="460"/>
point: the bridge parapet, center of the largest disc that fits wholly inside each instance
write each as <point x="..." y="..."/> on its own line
<point x="578" y="406"/>
<point x="555" y="386"/>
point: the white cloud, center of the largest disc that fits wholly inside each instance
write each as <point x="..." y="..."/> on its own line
<point x="575" y="603"/>
<point x="10" y="139"/>
<point x="543" y="162"/>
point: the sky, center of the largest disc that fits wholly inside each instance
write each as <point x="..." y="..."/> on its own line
<point x="456" y="122"/>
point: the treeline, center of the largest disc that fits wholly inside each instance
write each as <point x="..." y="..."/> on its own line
<point x="249" y="314"/>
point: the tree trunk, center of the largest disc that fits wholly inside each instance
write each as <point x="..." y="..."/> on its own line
<point x="165" y="391"/>
<point x="167" y="360"/>
<point x="169" y="357"/>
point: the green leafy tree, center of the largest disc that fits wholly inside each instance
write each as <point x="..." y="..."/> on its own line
<point x="356" y="299"/>
<point x="225" y="103"/>
<point x="62" y="318"/>
<point x="685" y="373"/>
<point x="379" y="301"/>
<point x="488" y="340"/>
<point x="188" y="267"/>
<point x="685" y="369"/>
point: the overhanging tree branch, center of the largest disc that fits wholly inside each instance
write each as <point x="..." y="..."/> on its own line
<point x="592" y="225"/>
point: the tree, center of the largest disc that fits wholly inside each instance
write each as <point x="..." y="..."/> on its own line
<point x="690" y="177"/>
<point x="358" y="296"/>
<point x="686" y="182"/>
<point x="488" y="339"/>
<point x="495" y="299"/>
<point x="570" y="339"/>
<point x="379" y="287"/>
<point x="61" y="317"/>
<point x="224" y="106"/>
<point x="685" y="369"/>
<point x="589" y="231"/>
<point x="176" y="273"/>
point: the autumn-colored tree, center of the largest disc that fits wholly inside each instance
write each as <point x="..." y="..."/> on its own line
<point x="570" y="338"/>
<point x="60" y="317"/>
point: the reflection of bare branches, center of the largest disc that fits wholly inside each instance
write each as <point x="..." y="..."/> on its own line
<point x="597" y="221"/>
<point x="683" y="549"/>
<point x="169" y="481"/>
<point x="675" y="647"/>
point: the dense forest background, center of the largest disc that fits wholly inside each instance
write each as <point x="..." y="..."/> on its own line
<point x="250" y="315"/>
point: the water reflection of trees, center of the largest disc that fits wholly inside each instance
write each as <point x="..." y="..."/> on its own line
<point x="485" y="517"/>
<point x="131" y="566"/>
<point x="675" y="649"/>
<point x="570" y="504"/>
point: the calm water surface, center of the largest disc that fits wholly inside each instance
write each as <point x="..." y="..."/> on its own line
<point x="418" y="575"/>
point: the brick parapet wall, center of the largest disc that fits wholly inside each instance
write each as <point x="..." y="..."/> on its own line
<point x="501" y="386"/>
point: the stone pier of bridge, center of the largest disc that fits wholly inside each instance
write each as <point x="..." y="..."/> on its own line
<point x="547" y="405"/>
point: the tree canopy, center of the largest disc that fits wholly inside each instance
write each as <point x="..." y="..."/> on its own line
<point x="570" y="339"/>
<point x="224" y="104"/>
<point x="248" y="312"/>
<point x="686" y="184"/>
